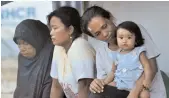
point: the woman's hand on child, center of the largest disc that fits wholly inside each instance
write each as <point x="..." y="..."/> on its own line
<point x="112" y="84"/>
<point x="133" y="94"/>
<point x="145" y="94"/>
<point x="97" y="86"/>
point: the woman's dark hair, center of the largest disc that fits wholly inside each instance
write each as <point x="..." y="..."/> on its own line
<point x="134" y="29"/>
<point x="69" y="17"/>
<point x="89" y="14"/>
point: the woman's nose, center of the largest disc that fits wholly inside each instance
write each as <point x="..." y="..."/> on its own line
<point x="22" y="48"/>
<point x="51" y="32"/>
<point x="105" y="34"/>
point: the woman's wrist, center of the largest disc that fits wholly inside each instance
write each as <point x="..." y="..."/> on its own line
<point x="147" y="88"/>
<point x="147" y="84"/>
<point x="105" y="81"/>
<point x="137" y="89"/>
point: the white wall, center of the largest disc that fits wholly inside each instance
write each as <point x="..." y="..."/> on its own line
<point x="154" y="16"/>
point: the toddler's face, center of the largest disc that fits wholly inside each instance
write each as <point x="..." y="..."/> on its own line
<point x="125" y="39"/>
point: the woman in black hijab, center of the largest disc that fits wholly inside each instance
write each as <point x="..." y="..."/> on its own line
<point x="34" y="60"/>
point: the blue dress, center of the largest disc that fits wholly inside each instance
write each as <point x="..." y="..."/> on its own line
<point x="129" y="68"/>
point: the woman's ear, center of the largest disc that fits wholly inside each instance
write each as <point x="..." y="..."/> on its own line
<point x="71" y="29"/>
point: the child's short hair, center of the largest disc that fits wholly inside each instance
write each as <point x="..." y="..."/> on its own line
<point x="134" y="29"/>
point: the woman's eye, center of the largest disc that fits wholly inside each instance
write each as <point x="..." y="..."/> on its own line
<point x="97" y="34"/>
<point x="104" y="26"/>
<point x="54" y="28"/>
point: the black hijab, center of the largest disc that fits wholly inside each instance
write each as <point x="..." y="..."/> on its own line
<point x="33" y="79"/>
